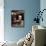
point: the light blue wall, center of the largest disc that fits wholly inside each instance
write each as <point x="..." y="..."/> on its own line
<point x="30" y="7"/>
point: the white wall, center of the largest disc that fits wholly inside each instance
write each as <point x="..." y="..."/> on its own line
<point x="1" y="20"/>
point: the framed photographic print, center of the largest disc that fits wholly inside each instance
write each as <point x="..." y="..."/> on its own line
<point x="17" y="18"/>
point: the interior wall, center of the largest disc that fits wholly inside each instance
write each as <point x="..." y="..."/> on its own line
<point x="30" y="7"/>
<point x="1" y="20"/>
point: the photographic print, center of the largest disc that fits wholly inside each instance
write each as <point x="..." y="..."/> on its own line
<point x="17" y="18"/>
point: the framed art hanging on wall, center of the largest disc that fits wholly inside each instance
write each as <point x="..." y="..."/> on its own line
<point x="17" y="18"/>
